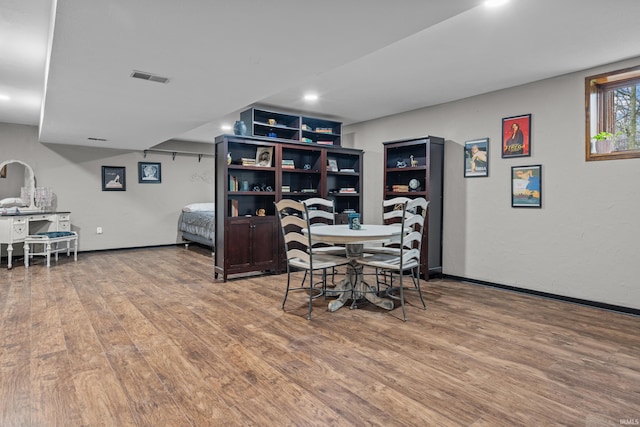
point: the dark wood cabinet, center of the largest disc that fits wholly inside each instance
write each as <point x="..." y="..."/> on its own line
<point x="415" y="168"/>
<point x="250" y="246"/>
<point x="248" y="237"/>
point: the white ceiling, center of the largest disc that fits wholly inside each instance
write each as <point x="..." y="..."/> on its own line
<point x="366" y="59"/>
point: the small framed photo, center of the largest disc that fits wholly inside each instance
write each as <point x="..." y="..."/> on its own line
<point x="149" y="173"/>
<point x="264" y="156"/>
<point x="114" y="178"/>
<point x="516" y="136"/>
<point x="526" y="186"/>
<point x="332" y="165"/>
<point x="3" y="172"/>
<point x="476" y="158"/>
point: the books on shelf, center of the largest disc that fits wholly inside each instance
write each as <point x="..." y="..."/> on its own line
<point x="307" y="127"/>
<point x="307" y="140"/>
<point x="400" y="188"/>
<point x="286" y="189"/>
<point x="347" y="190"/>
<point x="324" y="142"/>
<point x="234" y="207"/>
<point x="288" y="164"/>
<point x="308" y="190"/>
<point x="324" y="130"/>
<point x="233" y="183"/>
<point x="348" y="170"/>
<point x="248" y="162"/>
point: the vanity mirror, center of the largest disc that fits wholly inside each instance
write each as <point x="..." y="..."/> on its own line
<point x="19" y="175"/>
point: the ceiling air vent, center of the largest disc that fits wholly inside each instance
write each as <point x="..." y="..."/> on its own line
<point x="148" y="76"/>
<point x="96" y="139"/>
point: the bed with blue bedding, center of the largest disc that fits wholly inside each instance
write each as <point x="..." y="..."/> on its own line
<point x="196" y="224"/>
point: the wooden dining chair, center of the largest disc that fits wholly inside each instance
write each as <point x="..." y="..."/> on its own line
<point x="393" y="211"/>
<point x="322" y="212"/>
<point x="406" y="257"/>
<point x="294" y="217"/>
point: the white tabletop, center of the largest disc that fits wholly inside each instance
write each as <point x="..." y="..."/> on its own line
<point x="344" y="235"/>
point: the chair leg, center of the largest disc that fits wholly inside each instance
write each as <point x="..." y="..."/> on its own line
<point x="310" y="293"/>
<point x="286" y="292"/>
<point x="404" y="311"/>
<point x="417" y="283"/>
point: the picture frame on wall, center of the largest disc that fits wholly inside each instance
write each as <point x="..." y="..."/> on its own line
<point x="114" y="178"/>
<point x="149" y="173"/>
<point x="516" y="136"/>
<point x="526" y="186"/>
<point x="476" y="158"/>
<point x="3" y="172"/>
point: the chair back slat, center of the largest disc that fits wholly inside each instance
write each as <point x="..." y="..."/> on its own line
<point x="292" y="220"/>
<point x="299" y="254"/>
<point x="320" y="211"/>
<point x="295" y="216"/>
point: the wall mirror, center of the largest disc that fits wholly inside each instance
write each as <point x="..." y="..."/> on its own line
<point x="18" y="175"/>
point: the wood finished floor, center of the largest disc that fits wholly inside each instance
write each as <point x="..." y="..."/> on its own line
<point x="147" y="338"/>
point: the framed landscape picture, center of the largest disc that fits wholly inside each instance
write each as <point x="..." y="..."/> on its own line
<point x="516" y="136"/>
<point x="114" y="178"/>
<point x="526" y="186"/>
<point x="149" y="173"/>
<point x="476" y="158"/>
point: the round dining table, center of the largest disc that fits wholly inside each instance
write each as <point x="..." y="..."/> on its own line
<point x="353" y="284"/>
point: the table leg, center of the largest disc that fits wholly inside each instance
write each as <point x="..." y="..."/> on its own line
<point x="344" y="289"/>
<point x="9" y="253"/>
<point x="48" y="254"/>
<point x="26" y="255"/>
<point x="353" y="286"/>
<point x="362" y="289"/>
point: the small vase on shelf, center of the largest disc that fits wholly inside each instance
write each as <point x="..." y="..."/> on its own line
<point x="239" y="128"/>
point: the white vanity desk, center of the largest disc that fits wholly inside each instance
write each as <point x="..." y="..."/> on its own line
<point x="15" y="227"/>
<point x="31" y="219"/>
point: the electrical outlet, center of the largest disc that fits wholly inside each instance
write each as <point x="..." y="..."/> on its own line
<point x="99" y="230"/>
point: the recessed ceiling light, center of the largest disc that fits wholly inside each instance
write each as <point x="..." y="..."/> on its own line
<point x="226" y="127"/>
<point x="4" y="97"/>
<point x="311" y="97"/>
<point x="495" y="3"/>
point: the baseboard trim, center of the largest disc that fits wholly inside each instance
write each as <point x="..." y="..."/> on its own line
<point x="596" y="304"/>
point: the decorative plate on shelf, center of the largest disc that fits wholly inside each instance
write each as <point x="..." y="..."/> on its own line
<point x="414" y="184"/>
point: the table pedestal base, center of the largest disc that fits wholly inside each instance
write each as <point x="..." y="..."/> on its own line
<point x="354" y="287"/>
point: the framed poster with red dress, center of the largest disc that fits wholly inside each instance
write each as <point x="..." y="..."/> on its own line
<point x="516" y="136"/>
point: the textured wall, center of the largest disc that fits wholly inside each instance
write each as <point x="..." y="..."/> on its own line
<point x="583" y="243"/>
<point x="143" y="215"/>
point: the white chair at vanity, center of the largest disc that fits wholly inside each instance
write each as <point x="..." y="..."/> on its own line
<point x="21" y="218"/>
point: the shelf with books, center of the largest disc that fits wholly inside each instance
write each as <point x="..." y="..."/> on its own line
<point x="414" y="168"/>
<point x="246" y="191"/>
<point x="279" y="125"/>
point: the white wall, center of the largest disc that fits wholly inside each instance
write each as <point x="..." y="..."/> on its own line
<point x="583" y="243"/>
<point x="143" y="215"/>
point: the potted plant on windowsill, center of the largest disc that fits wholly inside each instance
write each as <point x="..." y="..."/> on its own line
<point x="604" y="142"/>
